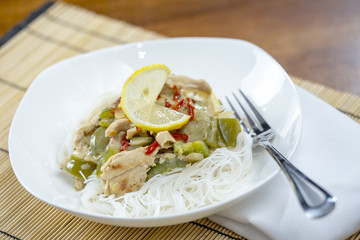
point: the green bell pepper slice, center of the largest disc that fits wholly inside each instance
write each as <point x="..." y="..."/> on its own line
<point x="212" y="136"/>
<point x="77" y="165"/>
<point x="103" y="159"/>
<point x="141" y="141"/>
<point x="108" y="112"/>
<point x="190" y="147"/>
<point x="229" y="128"/>
<point x="167" y="166"/>
<point x="98" y="142"/>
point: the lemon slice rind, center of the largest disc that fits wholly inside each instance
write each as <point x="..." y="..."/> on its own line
<point x="138" y="98"/>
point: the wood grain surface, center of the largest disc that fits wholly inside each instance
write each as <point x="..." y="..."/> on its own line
<point x="316" y="40"/>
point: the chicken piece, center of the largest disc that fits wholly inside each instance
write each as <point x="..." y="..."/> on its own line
<point x="115" y="141"/>
<point x="129" y="181"/>
<point x="126" y="171"/>
<point x="133" y="132"/>
<point x="189" y="83"/>
<point x="164" y="156"/>
<point x="63" y="163"/>
<point x="82" y="137"/>
<point x="79" y="183"/>
<point x="165" y="139"/>
<point x="117" y="126"/>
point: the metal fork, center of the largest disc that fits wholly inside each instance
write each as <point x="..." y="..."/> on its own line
<point x="315" y="200"/>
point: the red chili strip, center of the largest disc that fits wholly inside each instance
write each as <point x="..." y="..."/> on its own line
<point x="124" y="145"/>
<point x="151" y="148"/>
<point x="180" y="136"/>
<point x="158" y="97"/>
<point x="167" y="103"/>
<point x="176" y="94"/>
<point x="190" y="110"/>
<point x="179" y="105"/>
<point x="117" y="102"/>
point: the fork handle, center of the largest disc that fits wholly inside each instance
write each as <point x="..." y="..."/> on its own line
<point x="315" y="200"/>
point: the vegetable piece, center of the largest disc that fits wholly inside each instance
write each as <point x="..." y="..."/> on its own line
<point x="229" y="128"/>
<point x="190" y="147"/>
<point x="106" y="122"/>
<point x="212" y="134"/>
<point x="98" y="142"/>
<point x="151" y="148"/>
<point x="167" y="166"/>
<point x="75" y="165"/>
<point x="108" y="112"/>
<point x="180" y="136"/>
<point x="194" y="157"/>
<point x="141" y="141"/>
<point x="103" y="158"/>
<point x="124" y="145"/>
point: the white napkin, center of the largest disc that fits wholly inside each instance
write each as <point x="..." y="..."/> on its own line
<point x="328" y="152"/>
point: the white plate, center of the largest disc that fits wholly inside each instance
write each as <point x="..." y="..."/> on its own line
<point x="62" y="92"/>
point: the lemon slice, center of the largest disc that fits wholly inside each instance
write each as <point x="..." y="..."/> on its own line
<point x="216" y="106"/>
<point x="138" y="98"/>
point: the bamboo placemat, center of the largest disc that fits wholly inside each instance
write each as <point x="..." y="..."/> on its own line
<point x="54" y="32"/>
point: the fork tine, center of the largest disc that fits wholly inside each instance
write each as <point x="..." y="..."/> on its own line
<point x="262" y="121"/>
<point x="242" y="123"/>
<point x="233" y="108"/>
<point x="248" y="117"/>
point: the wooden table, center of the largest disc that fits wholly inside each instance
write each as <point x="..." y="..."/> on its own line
<point x="316" y="40"/>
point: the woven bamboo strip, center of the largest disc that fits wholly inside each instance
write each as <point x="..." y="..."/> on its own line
<point x="188" y="231"/>
<point x="25" y="68"/>
<point x="167" y="232"/>
<point x="104" y="234"/>
<point x="53" y="224"/>
<point x="117" y="234"/>
<point x="214" y="226"/>
<point x="11" y="53"/>
<point x="81" y="227"/>
<point x="182" y="230"/>
<point x="4" y="163"/>
<point x="56" y="228"/>
<point x="27" y="58"/>
<point x="36" y="228"/>
<point x="151" y="234"/>
<point x="219" y="228"/>
<point x="12" y="206"/>
<point x="15" y="202"/>
<point x="157" y="233"/>
<point x="24" y="214"/>
<point x="78" y="39"/>
<point x="101" y="231"/>
<point x="139" y="233"/>
<point x="9" y="100"/>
